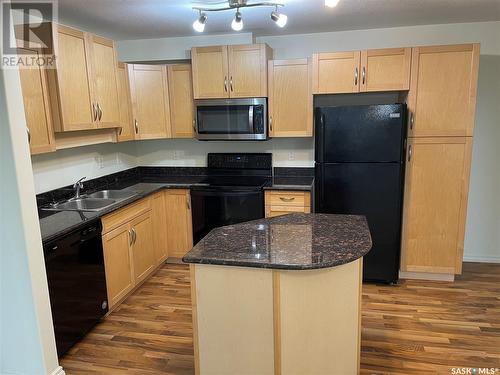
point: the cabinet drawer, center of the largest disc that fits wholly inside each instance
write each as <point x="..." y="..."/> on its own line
<point x="117" y="218"/>
<point x="272" y="211"/>
<point x="288" y="198"/>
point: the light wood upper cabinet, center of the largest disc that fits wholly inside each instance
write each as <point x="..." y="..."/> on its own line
<point x="126" y="130"/>
<point x="104" y="81"/>
<point x="362" y="71"/>
<point x="336" y="72"/>
<point x="290" y="98"/>
<point x="442" y="97"/>
<point x="235" y="71"/>
<point x="179" y="222"/>
<point x="37" y="109"/>
<point x="143" y="249"/>
<point x="210" y="76"/>
<point x="248" y="70"/>
<point x="159" y="219"/>
<point x="385" y="69"/>
<point x="118" y="263"/>
<point x="150" y="101"/>
<point x="83" y="87"/>
<point x="435" y="205"/>
<point x="71" y="82"/>
<point x="180" y="88"/>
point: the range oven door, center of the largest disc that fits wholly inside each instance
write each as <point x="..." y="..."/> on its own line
<point x="231" y="119"/>
<point x="212" y="208"/>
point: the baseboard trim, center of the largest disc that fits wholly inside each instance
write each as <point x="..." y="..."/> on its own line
<point x="481" y="259"/>
<point x="58" y="371"/>
<point x="426" y="276"/>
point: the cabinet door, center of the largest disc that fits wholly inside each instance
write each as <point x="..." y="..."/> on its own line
<point x="336" y="73"/>
<point x="442" y="97"/>
<point x="179" y="222"/>
<point x="385" y="69"/>
<point x="73" y="81"/>
<point x="180" y="88"/>
<point x="159" y="219"/>
<point x="143" y="250"/>
<point x="248" y="70"/>
<point x="37" y="109"/>
<point x="118" y="263"/>
<point x="290" y="98"/>
<point x="126" y="130"/>
<point x="436" y="191"/>
<point x="104" y="80"/>
<point x="149" y="90"/>
<point x="210" y="73"/>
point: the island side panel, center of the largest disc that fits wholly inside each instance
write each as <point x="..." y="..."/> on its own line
<point x="234" y="313"/>
<point x="320" y="321"/>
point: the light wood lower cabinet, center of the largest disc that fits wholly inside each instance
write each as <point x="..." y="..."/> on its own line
<point x="437" y="179"/>
<point x="290" y="98"/>
<point x="118" y="263"/>
<point x="280" y="202"/>
<point x="159" y="213"/>
<point x="143" y="246"/>
<point x="179" y="222"/>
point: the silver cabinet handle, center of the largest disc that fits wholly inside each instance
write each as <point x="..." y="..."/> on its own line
<point x="120" y="130"/>
<point x="363" y="75"/>
<point x="94" y="112"/>
<point x="136" y="126"/>
<point x="100" y="111"/>
<point x="225" y="83"/>
<point x="409" y="153"/>
<point x="134" y="235"/>
<point x="271" y="123"/>
<point x="188" y="203"/>
<point x="194" y="126"/>
<point x="231" y="83"/>
<point x="287" y="199"/>
<point x="356" y="76"/>
<point x="29" y="134"/>
<point x="412" y="120"/>
<point x="131" y="238"/>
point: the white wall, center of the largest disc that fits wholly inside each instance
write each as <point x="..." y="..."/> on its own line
<point x="482" y="236"/>
<point x="64" y="167"/>
<point x="27" y="344"/>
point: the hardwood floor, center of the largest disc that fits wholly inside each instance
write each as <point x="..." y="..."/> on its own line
<point x="417" y="327"/>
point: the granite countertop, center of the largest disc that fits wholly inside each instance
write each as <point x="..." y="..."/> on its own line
<point x="56" y="223"/>
<point x="144" y="182"/>
<point x="297" y="242"/>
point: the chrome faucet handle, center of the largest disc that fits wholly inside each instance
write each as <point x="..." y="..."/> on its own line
<point x="79" y="182"/>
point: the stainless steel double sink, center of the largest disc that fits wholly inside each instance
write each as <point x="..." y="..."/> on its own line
<point x="97" y="201"/>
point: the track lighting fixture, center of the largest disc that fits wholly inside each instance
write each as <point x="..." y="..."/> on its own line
<point x="199" y="24"/>
<point x="237" y="24"/>
<point x="279" y="18"/>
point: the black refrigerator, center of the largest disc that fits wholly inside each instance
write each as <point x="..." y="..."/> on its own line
<point x="359" y="170"/>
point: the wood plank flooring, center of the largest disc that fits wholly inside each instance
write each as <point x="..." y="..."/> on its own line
<point x="417" y="327"/>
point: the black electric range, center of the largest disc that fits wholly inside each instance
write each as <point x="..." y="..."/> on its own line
<point x="232" y="192"/>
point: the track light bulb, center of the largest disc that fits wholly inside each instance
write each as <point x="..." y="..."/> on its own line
<point x="237" y="24"/>
<point x="279" y="18"/>
<point x="199" y="24"/>
<point x="331" y="3"/>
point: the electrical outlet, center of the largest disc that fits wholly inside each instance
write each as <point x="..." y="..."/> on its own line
<point x="99" y="161"/>
<point x="291" y="156"/>
<point x="177" y="155"/>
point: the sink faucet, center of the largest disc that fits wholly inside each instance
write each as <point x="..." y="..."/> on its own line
<point x="78" y="185"/>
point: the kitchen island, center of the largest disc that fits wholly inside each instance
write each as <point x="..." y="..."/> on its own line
<point x="279" y="295"/>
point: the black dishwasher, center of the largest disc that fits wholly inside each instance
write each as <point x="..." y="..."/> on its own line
<point x="77" y="283"/>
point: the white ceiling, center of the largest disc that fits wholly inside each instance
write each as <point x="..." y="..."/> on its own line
<point x="141" y="19"/>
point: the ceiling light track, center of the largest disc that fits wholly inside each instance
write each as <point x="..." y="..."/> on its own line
<point x="279" y="19"/>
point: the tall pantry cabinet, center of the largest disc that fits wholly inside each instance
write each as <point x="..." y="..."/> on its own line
<point x="441" y="103"/>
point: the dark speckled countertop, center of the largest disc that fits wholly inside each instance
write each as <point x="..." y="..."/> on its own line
<point x="296" y="242"/>
<point x="144" y="181"/>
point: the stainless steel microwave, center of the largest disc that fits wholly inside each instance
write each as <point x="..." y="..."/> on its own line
<point x="231" y="119"/>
